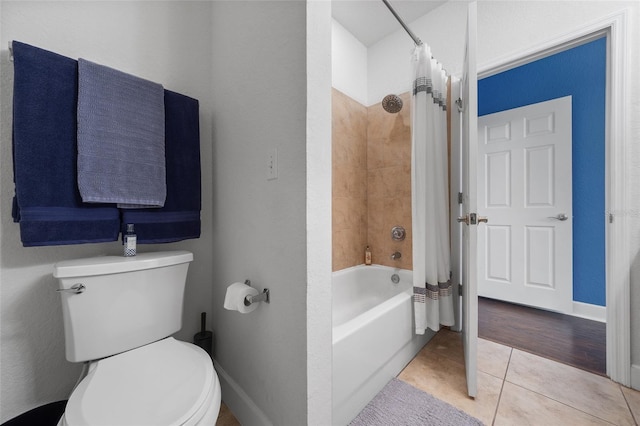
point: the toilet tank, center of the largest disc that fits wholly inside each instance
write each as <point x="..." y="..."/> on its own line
<point x="127" y="301"/>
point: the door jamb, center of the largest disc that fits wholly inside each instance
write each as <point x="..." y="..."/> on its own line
<point x="617" y="258"/>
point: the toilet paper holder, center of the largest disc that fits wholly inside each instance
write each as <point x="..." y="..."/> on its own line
<point x="263" y="297"/>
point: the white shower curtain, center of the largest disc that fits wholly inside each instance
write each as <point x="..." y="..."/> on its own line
<point x="432" y="293"/>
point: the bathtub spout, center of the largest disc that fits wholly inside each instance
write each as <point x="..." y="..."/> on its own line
<point x="396" y="255"/>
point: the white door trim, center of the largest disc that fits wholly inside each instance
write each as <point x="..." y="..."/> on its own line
<point x="617" y="240"/>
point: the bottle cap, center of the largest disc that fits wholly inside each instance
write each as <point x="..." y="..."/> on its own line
<point x="129" y="227"/>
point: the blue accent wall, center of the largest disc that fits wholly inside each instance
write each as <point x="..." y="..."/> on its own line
<point x="581" y="73"/>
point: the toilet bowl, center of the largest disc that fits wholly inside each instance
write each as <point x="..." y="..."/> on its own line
<point x="168" y="382"/>
<point x="117" y="314"/>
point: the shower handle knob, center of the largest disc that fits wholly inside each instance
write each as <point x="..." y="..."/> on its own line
<point x="398" y="233"/>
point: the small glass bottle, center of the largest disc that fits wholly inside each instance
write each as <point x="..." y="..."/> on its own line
<point x="367" y="256"/>
<point x="130" y="241"/>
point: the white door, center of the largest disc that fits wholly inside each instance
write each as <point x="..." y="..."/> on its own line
<point x="525" y="252"/>
<point x="469" y="126"/>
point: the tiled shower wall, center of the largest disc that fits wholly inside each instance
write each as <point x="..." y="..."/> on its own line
<point x="349" y="159"/>
<point x="371" y="182"/>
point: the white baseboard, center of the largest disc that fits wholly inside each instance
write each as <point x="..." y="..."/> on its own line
<point x="588" y="311"/>
<point x="635" y="376"/>
<point x="240" y="404"/>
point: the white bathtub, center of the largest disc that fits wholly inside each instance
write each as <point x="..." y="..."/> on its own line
<point x="373" y="337"/>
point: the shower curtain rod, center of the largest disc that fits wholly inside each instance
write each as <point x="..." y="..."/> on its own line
<point x="416" y="40"/>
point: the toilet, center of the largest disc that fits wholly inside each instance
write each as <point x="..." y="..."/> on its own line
<point x="118" y="315"/>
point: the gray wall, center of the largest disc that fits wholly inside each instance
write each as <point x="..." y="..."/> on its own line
<point x="259" y="228"/>
<point x="166" y="42"/>
<point x="247" y="64"/>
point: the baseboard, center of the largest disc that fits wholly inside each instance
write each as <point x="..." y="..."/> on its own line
<point x="635" y="376"/>
<point x="240" y="404"/>
<point x="588" y="311"/>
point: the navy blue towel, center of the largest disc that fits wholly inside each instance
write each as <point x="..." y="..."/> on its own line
<point x="47" y="202"/>
<point x="179" y="219"/>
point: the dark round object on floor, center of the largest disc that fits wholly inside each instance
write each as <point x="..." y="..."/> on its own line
<point x="45" y="415"/>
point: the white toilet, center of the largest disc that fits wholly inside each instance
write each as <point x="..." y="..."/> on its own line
<point x="118" y="312"/>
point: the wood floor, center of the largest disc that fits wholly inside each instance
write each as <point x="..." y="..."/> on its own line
<point x="570" y="340"/>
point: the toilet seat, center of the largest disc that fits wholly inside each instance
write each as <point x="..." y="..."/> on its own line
<point x="168" y="382"/>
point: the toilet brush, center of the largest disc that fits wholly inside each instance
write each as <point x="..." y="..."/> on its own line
<point x="204" y="338"/>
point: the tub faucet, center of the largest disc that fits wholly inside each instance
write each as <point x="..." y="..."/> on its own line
<point x="396" y="255"/>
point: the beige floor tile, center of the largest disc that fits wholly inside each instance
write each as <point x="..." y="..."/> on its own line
<point x="633" y="399"/>
<point x="519" y="406"/>
<point x="444" y="378"/>
<point x="493" y="358"/>
<point x="226" y="417"/>
<point x="446" y="343"/>
<point x="584" y="391"/>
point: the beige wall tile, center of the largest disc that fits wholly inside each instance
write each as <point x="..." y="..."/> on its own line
<point x="349" y="157"/>
<point x="375" y="153"/>
<point x="371" y="166"/>
<point x="375" y="184"/>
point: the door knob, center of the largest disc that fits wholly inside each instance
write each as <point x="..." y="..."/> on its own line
<point x="472" y="219"/>
<point x="560" y="217"/>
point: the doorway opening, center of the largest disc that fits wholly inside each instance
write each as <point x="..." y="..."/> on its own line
<point x="611" y="30"/>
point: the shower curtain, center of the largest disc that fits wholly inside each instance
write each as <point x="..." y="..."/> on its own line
<point x="432" y="292"/>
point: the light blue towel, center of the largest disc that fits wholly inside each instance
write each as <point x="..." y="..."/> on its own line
<point x="121" y="151"/>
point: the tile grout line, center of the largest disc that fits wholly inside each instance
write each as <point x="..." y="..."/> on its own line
<point x="504" y="379"/>
<point x="633" y="416"/>
<point x="568" y="404"/>
<point x="564" y="403"/>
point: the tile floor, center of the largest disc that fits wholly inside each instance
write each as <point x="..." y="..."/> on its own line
<point x="226" y="417"/>
<point x="515" y="387"/>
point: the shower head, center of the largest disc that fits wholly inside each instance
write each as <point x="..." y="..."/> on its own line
<point x="392" y="103"/>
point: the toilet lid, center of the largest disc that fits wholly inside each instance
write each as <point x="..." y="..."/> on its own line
<point x="161" y="383"/>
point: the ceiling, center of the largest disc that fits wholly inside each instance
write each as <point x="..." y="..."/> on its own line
<point x="370" y="20"/>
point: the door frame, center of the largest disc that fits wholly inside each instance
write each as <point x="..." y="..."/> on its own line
<point x="617" y="258"/>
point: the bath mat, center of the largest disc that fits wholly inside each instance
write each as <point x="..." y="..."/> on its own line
<point x="399" y="403"/>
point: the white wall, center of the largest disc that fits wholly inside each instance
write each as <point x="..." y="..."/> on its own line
<point x="504" y="29"/>
<point x="319" y="245"/>
<point x="349" y="64"/>
<point x="389" y="60"/>
<point x="259" y="225"/>
<point x="167" y="42"/>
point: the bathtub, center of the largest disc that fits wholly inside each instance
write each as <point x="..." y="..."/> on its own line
<point x="373" y="334"/>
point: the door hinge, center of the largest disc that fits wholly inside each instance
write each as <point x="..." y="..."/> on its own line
<point x="460" y="198"/>
<point x="460" y="105"/>
<point x="459" y="289"/>
<point x="610" y="217"/>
